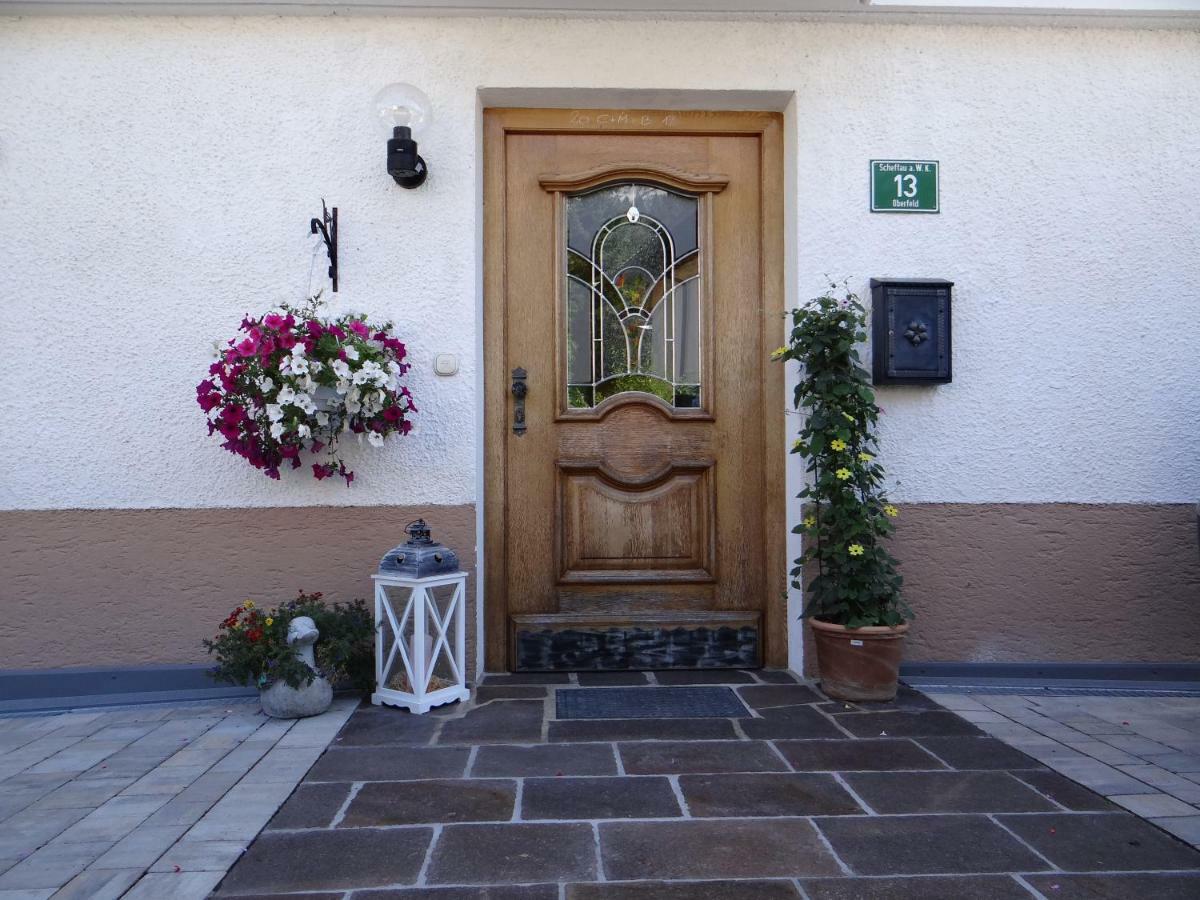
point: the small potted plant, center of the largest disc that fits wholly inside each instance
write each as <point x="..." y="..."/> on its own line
<point x="853" y="600"/>
<point x="295" y="653"/>
<point x="292" y="382"/>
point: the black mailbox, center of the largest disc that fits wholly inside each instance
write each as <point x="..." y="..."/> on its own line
<point x="910" y="330"/>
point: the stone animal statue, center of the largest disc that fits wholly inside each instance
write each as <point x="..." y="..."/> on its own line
<point x="283" y="701"/>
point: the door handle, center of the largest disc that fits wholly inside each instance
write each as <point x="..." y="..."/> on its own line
<point x="519" y="390"/>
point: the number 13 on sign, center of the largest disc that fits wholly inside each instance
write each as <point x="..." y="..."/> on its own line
<point x="906" y="185"/>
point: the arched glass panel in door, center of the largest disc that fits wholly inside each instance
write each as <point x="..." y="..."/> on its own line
<point x="633" y="295"/>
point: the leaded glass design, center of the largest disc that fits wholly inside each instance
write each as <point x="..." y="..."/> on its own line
<point x="633" y="295"/>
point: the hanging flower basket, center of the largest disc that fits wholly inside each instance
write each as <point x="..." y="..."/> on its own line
<point x="293" y="383"/>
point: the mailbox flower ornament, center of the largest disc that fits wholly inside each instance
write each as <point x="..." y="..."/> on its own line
<point x="856" y="583"/>
<point x="292" y="382"/>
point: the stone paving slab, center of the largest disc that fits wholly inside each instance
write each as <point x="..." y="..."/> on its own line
<point x="513" y="853"/>
<point x="730" y="848"/>
<point x="932" y="887"/>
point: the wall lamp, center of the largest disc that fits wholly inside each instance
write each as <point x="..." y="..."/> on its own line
<point x="400" y="108"/>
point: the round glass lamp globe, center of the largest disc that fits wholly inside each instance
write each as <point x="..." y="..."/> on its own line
<point x="401" y="104"/>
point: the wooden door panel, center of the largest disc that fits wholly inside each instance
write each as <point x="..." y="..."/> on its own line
<point x="633" y="509"/>
<point x="657" y="529"/>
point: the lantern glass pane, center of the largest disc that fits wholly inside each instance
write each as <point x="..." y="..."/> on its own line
<point x="443" y="667"/>
<point x="397" y="674"/>
<point x="632" y="292"/>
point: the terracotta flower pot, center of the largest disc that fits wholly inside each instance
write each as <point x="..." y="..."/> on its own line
<point x="858" y="663"/>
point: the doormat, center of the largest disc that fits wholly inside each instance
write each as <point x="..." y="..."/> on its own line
<point x="650" y="703"/>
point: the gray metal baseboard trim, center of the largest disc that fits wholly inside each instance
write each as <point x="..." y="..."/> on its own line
<point x="39" y="690"/>
<point x="1044" y="671"/>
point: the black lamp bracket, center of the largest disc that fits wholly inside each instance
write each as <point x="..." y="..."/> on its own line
<point x="326" y="226"/>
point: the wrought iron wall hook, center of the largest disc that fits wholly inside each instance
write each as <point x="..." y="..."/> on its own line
<point x="326" y="226"/>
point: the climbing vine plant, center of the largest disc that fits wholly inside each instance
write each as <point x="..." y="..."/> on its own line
<point x="847" y="513"/>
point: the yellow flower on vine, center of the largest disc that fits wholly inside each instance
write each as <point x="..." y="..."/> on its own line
<point x="865" y="457"/>
<point x="855" y="549"/>
<point x="249" y="604"/>
<point x="838" y="444"/>
<point x="270" y="621"/>
<point x="780" y="353"/>
<point x="810" y="521"/>
<point x="843" y="474"/>
<point x="848" y="417"/>
<point x="891" y="511"/>
<point x="796" y="446"/>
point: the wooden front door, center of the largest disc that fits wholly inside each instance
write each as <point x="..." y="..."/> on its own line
<point x="634" y="423"/>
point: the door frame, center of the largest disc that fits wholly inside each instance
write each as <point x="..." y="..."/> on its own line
<point x="498" y="123"/>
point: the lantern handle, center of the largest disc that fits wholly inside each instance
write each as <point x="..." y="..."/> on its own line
<point x="418" y="532"/>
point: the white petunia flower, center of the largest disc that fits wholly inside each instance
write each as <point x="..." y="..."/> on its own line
<point x="341" y="368"/>
<point x="266" y="385"/>
<point x="277" y="430"/>
<point x="304" y="431"/>
<point x="305" y="402"/>
<point x="286" y="395"/>
<point x="375" y="438"/>
<point x="351" y="351"/>
<point x="322" y="419"/>
<point x="342" y="387"/>
<point x="299" y="365"/>
<point x="274" y="412"/>
<point x="299" y="351"/>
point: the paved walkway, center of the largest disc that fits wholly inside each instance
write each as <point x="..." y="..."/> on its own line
<point x="144" y="802"/>
<point x="1142" y="753"/>
<point x="798" y="797"/>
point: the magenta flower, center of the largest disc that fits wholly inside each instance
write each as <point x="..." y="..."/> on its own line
<point x="274" y="321"/>
<point x="287" y="340"/>
<point x="360" y="329"/>
<point x="247" y="348"/>
<point x="233" y="414"/>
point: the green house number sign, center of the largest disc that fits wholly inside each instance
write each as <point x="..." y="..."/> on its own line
<point x="904" y="185"/>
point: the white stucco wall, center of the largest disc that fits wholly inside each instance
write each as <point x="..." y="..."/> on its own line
<point x="158" y="175"/>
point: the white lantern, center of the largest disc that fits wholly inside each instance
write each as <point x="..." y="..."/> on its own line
<point x="420" y="625"/>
